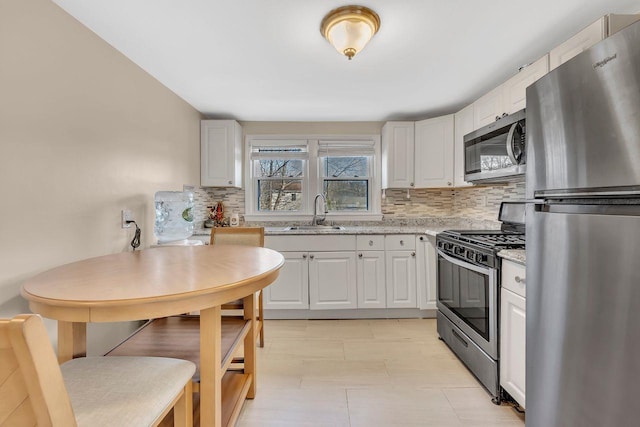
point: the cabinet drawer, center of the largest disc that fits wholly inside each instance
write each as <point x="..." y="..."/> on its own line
<point x="513" y="277"/>
<point x="370" y="243"/>
<point x="311" y="243"/>
<point x="399" y="242"/>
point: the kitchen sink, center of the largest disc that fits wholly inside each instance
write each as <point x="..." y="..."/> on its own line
<point x="314" y="227"/>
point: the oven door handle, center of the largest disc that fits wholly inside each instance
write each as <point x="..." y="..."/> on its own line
<point x="464" y="264"/>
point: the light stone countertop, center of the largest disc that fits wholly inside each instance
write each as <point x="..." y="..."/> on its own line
<point x="428" y="226"/>
<point x="516" y="255"/>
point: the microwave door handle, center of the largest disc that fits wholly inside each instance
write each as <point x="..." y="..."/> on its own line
<point x="510" y="143"/>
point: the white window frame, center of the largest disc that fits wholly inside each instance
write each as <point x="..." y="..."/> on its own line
<point x="313" y="181"/>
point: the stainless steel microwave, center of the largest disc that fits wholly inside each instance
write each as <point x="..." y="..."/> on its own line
<point x="496" y="152"/>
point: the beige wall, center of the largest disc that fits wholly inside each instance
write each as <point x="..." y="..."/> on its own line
<point x="312" y="128"/>
<point x="84" y="133"/>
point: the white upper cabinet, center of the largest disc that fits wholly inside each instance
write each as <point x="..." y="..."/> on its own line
<point x="578" y="43"/>
<point x="514" y="90"/>
<point x="434" y="152"/>
<point x="488" y="108"/>
<point x="599" y="30"/>
<point x="463" y="120"/>
<point x="418" y="155"/>
<point x="397" y="155"/>
<point x="510" y="96"/>
<point x="220" y="153"/>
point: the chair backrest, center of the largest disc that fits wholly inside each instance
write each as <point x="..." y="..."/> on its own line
<point x="247" y="236"/>
<point x="32" y="390"/>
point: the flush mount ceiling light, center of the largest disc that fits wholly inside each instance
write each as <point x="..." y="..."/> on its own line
<point x="349" y="28"/>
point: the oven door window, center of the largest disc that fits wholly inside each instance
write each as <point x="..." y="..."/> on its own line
<point x="466" y="293"/>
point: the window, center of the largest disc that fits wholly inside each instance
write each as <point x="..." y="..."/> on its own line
<point x="279" y="175"/>
<point x="346" y="174"/>
<point x="286" y="174"/>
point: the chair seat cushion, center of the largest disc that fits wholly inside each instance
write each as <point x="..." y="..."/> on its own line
<point x="123" y="391"/>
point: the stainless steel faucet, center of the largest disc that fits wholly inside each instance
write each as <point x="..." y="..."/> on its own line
<point x="315" y="220"/>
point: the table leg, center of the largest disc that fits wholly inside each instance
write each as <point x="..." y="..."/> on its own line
<point x="72" y="340"/>
<point x="210" y="368"/>
<point x="249" y="303"/>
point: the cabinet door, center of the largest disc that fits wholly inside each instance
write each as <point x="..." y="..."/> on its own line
<point x="220" y="153"/>
<point x="512" y="345"/>
<point x="291" y="288"/>
<point x="397" y="155"/>
<point x="426" y="272"/>
<point x="371" y="279"/>
<point x="401" y="279"/>
<point x="577" y="44"/>
<point x="514" y="90"/>
<point x="332" y="280"/>
<point x="434" y="152"/>
<point x="463" y="125"/>
<point x="487" y="108"/>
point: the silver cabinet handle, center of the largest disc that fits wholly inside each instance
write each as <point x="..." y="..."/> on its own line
<point x="449" y="184"/>
<point x="360" y="255"/>
<point x="311" y="256"/>
<point x="370" y="242"/>
<point x="230" y="182"/>
<point x="413" y="254"/>
<point x="401" y="242"/>
<point x="304" y="256"/>
<point x="422" y="238"/>
<point x="411" y="184"/>
<point x="520" y="280"/>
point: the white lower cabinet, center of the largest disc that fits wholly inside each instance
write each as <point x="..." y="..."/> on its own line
<point x="401" y="279"/>
<point x="513" y="326"/>
<point x="370" y="278"/>
<point x="332" y="280"/>
<point x="400" y="260"/>
<point x="426" y="259"/>
<point x="364" y="271"/>
<point x="291" y="288"/>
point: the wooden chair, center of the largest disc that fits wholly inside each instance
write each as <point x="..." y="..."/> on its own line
<point x="248" y="236"/>
<point x="88" y="391"/>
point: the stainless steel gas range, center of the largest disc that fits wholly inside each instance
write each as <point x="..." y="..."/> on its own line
<point x="468" y="271"/>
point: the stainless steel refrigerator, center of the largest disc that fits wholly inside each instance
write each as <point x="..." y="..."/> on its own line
<point x="583" y="239"/>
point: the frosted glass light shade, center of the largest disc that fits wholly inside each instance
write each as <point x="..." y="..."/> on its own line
<point x="349" y="28"/>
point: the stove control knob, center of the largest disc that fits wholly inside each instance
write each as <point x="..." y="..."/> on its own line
<point x="480" y="257"/>
<point x="471" y="255"/>
<point x="458" y="250"/>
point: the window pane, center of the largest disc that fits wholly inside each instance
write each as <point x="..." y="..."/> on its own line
<point x="347" y="195"/>
<point x="290" y="168"/>
<point x="340" y="167"/>
<point x="279" y="195"/>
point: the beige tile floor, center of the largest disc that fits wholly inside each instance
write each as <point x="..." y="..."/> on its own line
<point x="365" y="373"/>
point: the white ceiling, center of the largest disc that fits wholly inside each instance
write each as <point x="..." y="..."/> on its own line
<point x="265" y="60"/>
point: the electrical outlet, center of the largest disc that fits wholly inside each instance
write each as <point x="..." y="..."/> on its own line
<point x="127" y="215"/>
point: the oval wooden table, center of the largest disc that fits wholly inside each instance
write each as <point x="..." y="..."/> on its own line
<point x="154" y="283"/>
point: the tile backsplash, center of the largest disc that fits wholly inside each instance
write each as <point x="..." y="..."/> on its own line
<point x="477" y="202"/>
